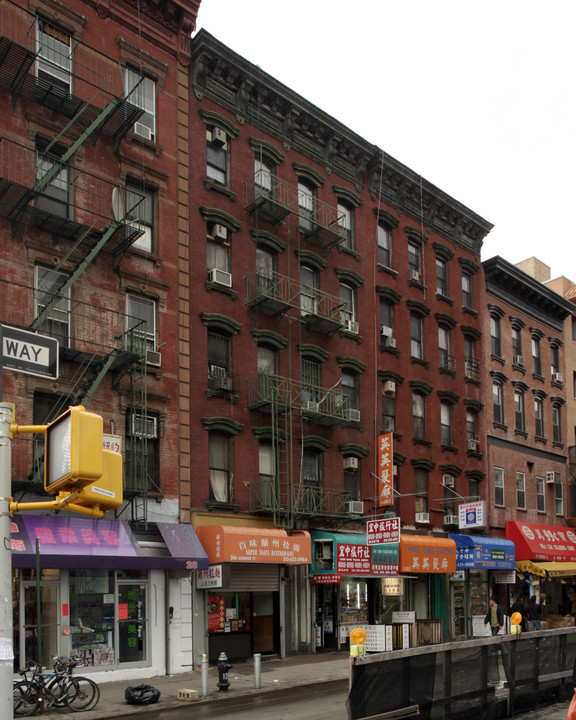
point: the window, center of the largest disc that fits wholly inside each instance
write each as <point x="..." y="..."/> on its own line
<point x="142" y="451"/>
<point x="446" y="360"/>
<point x="541" y="494"/>
<point x="521" y="491"/>
<point x="446" y="424"/>
<point x="352" y="483"/>
<point x="559" y="498"/>
<point x="57" y="320"/>
<point x="519" y="411"/>
<point x="346" y="225"/>
<point x="536" y="356"/>
<point x="220" y="467"/>
<point x="311" y="380"/>
<point x="414" y="262"/>
<point x="308" y="290"/>
<point x="472" y="430"/>
<point x="265" y="264"/>
<point x="388" y="413"/>
<point x="219" y="361"/>
<point x="556" y="425"/>
<point x="309" y="497"/>
<point x="140" y="213"/>
<point x="141" y="91"/>
<point x="348" y="305"/>
<point x="499" y="486"/>
<point x="539" y="417"/>
<point x="516" y="344"/>
<point x="306" y="206"/>
<point x="441" y="277"/>
<point x="471" y="366"/>
<point x="554" y="359"/>
<point x="421" y="491"/>
<point x="495" y="335"/>
<point x="217" y="155"/>
<point x="264" y="177"/>
<point x="498" y="399"/>
<point x="350" y="390"/>
<point x="267" y="359"/>
<point x="266" y="474"/>
<point x="218" y="248"/>
<point x="54" y="197"/>
<point x="54" y="59"/>
<point x="141" y="323"/>
<point x="419" y="416"/>
<point x="384" y="246"/>
<point x="416" y="350"/>
<point x="467" y="293"/>
<point x="387" y="317"/>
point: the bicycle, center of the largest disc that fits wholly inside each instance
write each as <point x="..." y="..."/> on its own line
<point x="59" y="688"/>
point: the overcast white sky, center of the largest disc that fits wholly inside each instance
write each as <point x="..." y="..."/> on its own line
<point x="477" y="97"/>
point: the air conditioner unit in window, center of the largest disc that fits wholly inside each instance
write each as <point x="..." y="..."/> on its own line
<point x="220" y="382"/>
<point x="353" y="327"/>
<point x="350" y="463"/>
<point x="153" y="358"/>
<point x="448" y="481"/>
<point x="356" y="507"/>
<point x="389" y="387"/>
<point x="220" y="276"/>
<point x="218" y="136"/>
<point x="390" y="342"/>
<point x="220" y="232"/>
<point x="324" y="550"/>
<point x="311" y="406"/>
<point x="557" y="377"/>
<point x="450" y="519"/>
<point x="143" y="130"/>
<point x="352" y="415"/>
<point x="473" y="445"/>
<point x="550" y="478"/>
<point x="385" y="331"/>
<point x="422" y="517"/>
<point x="415" y="275"/>
<point x="519" y="360"/>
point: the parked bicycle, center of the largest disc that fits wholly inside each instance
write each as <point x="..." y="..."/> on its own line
<point x="59" y="688"/>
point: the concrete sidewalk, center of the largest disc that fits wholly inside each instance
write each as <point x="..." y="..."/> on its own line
<point x="276" y="676"/>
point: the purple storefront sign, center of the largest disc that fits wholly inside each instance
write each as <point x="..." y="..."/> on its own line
<point x="71" y="542"/>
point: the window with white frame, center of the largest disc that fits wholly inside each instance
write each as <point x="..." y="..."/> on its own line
<point x="218" y="248"/>
<point x="539" y="417"/>
<point x="141" y="323"/>
<point x="498" y="401"/>
<point x="384" y="246"/>
<point x="49" y="300"/>
<point x="217" y="155"/>
<point x="54" y="54"/>
<point x="499" y="486"/>
<point x="554" y="360"/>
<point x="306" y="206"/>
<point x="350" y="390"/>
<point x="346" y="225"/>
<point x="416" y="336"/>
<point x="441" y="277"/>
<point x="388" y="413"/>
<point x="516" y="333"/>
<point x="141" y="91"/>
<point x="471" y="365"/>
<point x="521" y="491"/>
<point x="421" y="488"/>
<point x="472" y="430"/>
<point x="467" y="292"/>
<point x="540" y="494"/>
<point x="55" y="196"/>
<point x="140" y="203"/>
<point x="220" y="449"/>
<point x="348" y="305"/>
<point x="387" y="317"/>
<point x="308" y="290"/>
<point x="519" y="411"/>
<point x="419" y="416"/>
<point x="219" y="354"/>
<point x="446" y="361"/>
<point x="536" y="356"/>
<point x="267" y="489"/>
<point x="496" y="336"/>
<point x="264" y="176"/>
<point x="559" y="498"/>
<point x="446" y="424"/>
<point x="556" y="424"/>
<point x="414" y="262"/>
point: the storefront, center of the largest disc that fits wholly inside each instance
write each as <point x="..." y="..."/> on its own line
<point x="482" y="563"/>
<point x="252" y="589"/>
<point x="546" y="568"/>
<point x="88" y="589"/>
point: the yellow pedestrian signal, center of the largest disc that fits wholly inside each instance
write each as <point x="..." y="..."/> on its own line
<point x="106" y="493"/>
<point x="73" y="451"/>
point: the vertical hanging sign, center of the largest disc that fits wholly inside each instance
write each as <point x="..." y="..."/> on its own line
<point x="385" y="478"/>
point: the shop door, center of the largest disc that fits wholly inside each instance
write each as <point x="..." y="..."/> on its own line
<point x="131" y="622"/>
<point x="43" y="625"/>
<point x="326" y="616"/>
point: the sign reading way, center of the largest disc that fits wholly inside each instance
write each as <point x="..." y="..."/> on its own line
<point x="29" y="352"/>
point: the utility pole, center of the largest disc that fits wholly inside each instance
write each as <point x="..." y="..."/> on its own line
<point x="6" y="611"/>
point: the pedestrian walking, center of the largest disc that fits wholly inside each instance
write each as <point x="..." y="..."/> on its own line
<point x="534" y="614"/>
<point x="494" y="616"/>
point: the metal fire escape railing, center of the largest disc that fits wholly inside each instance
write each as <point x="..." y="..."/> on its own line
<point x="98" y="80"/>
<point x="318" y="225"/>
<point x="269" y="292"/>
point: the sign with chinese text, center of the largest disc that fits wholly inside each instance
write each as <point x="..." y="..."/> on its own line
<point x="353" y="559"/>
<point x="383" y="531"/>
<point x="422" y="553"/>
<point x="385" y="559"/>
<point x="210" y="578"/>
<point x="227" y="543"/>
<point x="385" y="476"/>
<point x="326" y="579"/>
<point x="472" y="515"/>
<point x="392" y="586"/>
<point x="112" y="443"/>
<point x="542" y="542"/>
<point x="216" y="613"/>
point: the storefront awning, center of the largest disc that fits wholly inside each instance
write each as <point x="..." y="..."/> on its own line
<point x="350" y="555"/>
<point x="184" y="546"/>
<point x="230" y="543"/>
<point x="550" y="543"/>
<point x="427" y="554"/>
<point x="543" y="568"/>
<point x="479" y="551"/>
<point x="71" y="542"/>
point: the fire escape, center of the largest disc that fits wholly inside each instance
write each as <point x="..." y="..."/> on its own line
<point x="43" y="187"/>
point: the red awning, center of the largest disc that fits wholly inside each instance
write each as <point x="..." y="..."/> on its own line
<point x="542" y="542"/>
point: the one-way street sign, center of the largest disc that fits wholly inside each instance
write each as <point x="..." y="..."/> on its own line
<point x="28" y="352"/>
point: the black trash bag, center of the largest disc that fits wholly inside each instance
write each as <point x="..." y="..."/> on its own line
<point x="141" y="695"/>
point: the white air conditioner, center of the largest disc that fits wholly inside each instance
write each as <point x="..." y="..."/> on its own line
<point x="385" y="331"/>
<point x="473" y="445"/>
<point x="218" y="136"/>
<point x="450" y="519"/>
<point x="550" y="478"/>
<point x="311" y="406"/>
<point x="519" y="360"/>
<point x="356" y="507"/>
<point x="143" y="130"/>
<point x="220" y="232"/>
<point x="220" y="276"/>
<point x="353" y="327"/>
<point x="557" y="377"/>
<point x="422" y="517"/>
<point x="415" y="275"/>
<point x="448" y="481"/>
<point x="350" y="463"/>
<point x="153" y="358"/>
<point x="352" y="415"/>
<point x="389" y="387"/>
<point x="390" y="342"/>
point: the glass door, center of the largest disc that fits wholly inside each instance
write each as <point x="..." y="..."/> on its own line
<point x="40" y="611"/>
<point x="131" y="622"/>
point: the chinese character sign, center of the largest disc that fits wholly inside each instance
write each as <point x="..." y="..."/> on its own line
<point x="386" y="530"/>
<point x="385" y="477"/>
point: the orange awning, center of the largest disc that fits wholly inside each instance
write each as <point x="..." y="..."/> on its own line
<point x="228" y="543"/>
<point x="427" y="554"/>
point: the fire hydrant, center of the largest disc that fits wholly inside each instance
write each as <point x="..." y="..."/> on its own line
<point x="223" y="668"/>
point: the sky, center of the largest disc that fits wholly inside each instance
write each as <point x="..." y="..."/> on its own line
<point x="477" y="97"/>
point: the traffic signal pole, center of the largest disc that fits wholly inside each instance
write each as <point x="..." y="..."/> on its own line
<point x="6" y="600"/>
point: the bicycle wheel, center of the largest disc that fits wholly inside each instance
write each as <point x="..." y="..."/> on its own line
<point x="26" y="698"/>
<point x="82" y="694"/>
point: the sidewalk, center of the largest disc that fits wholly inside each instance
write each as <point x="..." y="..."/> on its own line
<point x="275" y="676"/>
